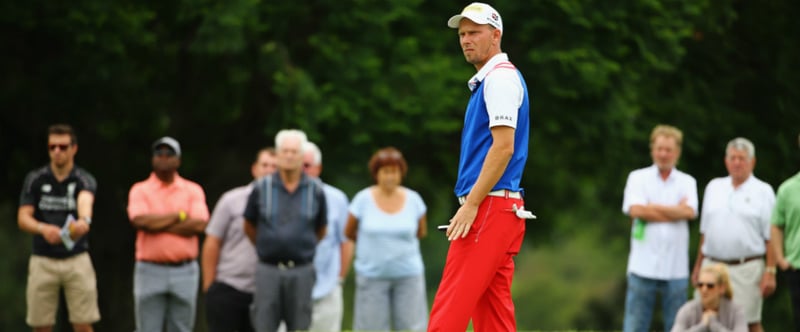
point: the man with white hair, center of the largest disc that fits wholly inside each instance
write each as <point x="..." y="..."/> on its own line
<point x="735" y="230"/>
<point x="334" y="252"/>
<point x="285" y="217"/>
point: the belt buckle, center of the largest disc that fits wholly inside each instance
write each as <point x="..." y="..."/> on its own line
<point x="285" y="266"/>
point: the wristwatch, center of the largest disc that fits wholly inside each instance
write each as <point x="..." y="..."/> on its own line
<point x="88" y="220"/>
<point x="770" y="269"/>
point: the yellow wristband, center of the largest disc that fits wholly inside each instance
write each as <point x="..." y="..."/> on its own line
<point x="770" y="269"/>
<point x="181" y="216"/>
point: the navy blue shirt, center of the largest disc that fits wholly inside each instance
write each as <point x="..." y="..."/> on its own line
<point x="286" y="223"/>
<point x="52" y="202"/>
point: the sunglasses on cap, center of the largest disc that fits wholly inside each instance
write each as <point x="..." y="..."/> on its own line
<point x="62" y="147"/>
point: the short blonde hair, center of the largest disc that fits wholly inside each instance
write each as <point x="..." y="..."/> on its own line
<point x="721" y="271"/>
<point x="668" y="131"/>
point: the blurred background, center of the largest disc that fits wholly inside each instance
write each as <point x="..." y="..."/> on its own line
<point x="224" y="76"/>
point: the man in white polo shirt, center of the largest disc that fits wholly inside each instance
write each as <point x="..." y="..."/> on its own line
<point x="735" y="230"/>
<point x="659" y="200"/>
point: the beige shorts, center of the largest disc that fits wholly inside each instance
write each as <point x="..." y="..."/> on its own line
<point x="746" y="284"/>
<point x="47" y="275"/>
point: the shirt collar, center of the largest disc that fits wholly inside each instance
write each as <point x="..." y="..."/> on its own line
<point x="481" y="74"/>
<point x="657" y="173"/>
<point x="745" y="183"/>
<point x="155" y="181"/>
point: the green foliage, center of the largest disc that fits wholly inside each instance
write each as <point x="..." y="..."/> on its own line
<point x="223" y="77"/>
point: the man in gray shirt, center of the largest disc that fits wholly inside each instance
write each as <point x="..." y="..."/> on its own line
<point x="229" y="258"/>
<point x="285" y="217"/>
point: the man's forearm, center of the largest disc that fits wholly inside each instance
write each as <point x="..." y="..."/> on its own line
<point x="155" y="222"/>
<point x="676" y="212"/>
<point x="210" y="259"/>
<point x="188" y="227"/>
<point x="26" y="221"/>
<point x="494" y="166"/>
<point x="661" y="213"/>
<point x="250" y="231"/>
<point x="770" y="254"/>
<point x="347" y="258"/>
<point x="647" y="213"/>
<point x="85" y="204"/>
<point x="776" y="241"/>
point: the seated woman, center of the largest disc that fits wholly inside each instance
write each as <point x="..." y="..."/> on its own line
<point x="715" y="310"/>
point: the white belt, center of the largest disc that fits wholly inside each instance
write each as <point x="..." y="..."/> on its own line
<point x="497" y="193"/>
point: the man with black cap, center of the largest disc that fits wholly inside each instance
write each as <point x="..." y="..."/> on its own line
<point x="168" y="211"/>
<point x="487" y="230"/>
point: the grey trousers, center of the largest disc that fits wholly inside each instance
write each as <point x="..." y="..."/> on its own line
<point x="389" y="304"/>
<point x="165" y="296"/>
<point x="282" y="294"/>
<point x="326" y="315"/>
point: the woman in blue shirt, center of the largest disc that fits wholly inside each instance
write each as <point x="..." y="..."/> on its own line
<point x="386" y="221"/>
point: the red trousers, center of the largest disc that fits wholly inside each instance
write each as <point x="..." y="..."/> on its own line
<point x="476" y="282"/>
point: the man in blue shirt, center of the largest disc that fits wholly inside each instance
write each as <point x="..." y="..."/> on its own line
<point x="487" y="230"/>
<point x="334" y="252"/>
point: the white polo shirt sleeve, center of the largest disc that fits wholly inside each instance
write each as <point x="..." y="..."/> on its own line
<point x="502" y="92"/>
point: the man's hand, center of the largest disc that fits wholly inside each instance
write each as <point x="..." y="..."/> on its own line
<point x="51" y="233"/>
<point x="78" y="228"/>
<point x="783" y="264"/>
<point x="461" y="223"/>
<point x="767" y="284"/>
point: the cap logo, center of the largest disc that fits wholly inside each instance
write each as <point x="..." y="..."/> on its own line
<point x="494" y="16"/>
<point x="473" y="7"/>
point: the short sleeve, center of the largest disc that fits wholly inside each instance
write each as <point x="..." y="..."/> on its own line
<point x="503" y="95"/>
<point x="251" y="209"/>
<point x="634" y="193"/>
<point x="198" y="208"/>
<point x="87" y="181"/>
<point x="322" y="214"/>
<point x="357" y="205"/>
<point x="27" y="197"/>
<point x="779" y="212"/>
<point x="337" y="213"/>
<point x="137" y="201"/>
<point x="419" y="204"/>
<point x="221" y="217"/>
<point x="708" y="192"/>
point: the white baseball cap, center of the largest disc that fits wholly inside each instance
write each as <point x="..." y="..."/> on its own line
<point x="480" y="13"/>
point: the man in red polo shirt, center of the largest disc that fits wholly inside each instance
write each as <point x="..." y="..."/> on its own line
<point x="168" y="211"/>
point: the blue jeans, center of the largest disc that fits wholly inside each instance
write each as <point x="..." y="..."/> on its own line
<point x="641" y="297"/>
